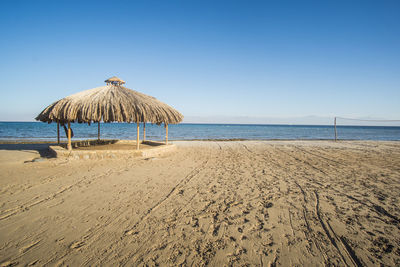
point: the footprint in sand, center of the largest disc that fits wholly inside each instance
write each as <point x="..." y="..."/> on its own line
<point x="77" y="244"/>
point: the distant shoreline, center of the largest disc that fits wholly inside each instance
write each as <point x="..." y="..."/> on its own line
<point x="235" y="124"/>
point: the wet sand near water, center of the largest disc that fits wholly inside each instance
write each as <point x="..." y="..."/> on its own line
<point x="260" y="203"/>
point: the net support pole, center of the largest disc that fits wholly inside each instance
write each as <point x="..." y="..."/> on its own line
<point x="137" y="136"/>
<point x="166" y="134"/>
<point x="335" y="130"/>
<point x="69" y="137"/>
<point x="98" y="131"/>
<point x="144" y="131"/>
<point x="58" y="132"/>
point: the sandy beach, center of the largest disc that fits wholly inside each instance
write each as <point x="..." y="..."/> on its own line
<point x="258" y="203"/>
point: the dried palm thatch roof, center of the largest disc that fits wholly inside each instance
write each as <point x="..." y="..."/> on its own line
<point x="110" y="103"/>
<point x="114" y="80"/>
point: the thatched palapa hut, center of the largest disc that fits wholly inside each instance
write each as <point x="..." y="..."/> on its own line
<point x="110" y="103"/>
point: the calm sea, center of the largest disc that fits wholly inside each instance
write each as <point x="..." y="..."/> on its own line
<point x="39" y="131"/>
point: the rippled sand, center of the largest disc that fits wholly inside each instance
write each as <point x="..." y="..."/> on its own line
<point x="219" y="203"/>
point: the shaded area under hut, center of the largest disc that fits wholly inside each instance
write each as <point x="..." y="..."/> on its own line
<point x="110" y="103"/>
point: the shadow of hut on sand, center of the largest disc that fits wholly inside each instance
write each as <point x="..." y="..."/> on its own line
<point x="42" y="149"/>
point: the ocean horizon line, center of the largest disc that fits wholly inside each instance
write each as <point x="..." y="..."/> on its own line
<point x="228" y="123"/>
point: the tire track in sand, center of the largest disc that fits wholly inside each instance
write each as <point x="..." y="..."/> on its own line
<point x="133" y="231"/>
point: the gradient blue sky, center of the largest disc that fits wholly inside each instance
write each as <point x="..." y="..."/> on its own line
<point x="206" y="58"/>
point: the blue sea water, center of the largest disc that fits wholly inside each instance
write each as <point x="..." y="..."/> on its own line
<point x="39" y="131"/>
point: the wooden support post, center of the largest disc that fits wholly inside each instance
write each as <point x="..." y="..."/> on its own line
<point x="335" y="130"/>
<point x="58" y="132"/>
<point x="166" y="134"/>
<point x="144" y="131"/>
<point x="98" y="131"/>
<point x="137" y="137"/>
<point x="69" y="136"/>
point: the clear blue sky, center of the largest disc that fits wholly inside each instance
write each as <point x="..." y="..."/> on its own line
<point x="206" y="58"/>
